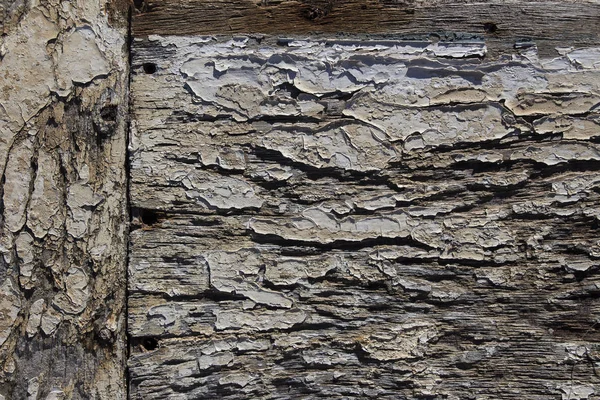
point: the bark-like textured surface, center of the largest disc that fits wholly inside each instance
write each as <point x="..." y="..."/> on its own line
<point x="363" y="219"/>
<point x="63" y="107"/>
<point x="549" y="23"/>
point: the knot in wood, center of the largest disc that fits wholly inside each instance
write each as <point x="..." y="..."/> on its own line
<point x="316" y="12"/>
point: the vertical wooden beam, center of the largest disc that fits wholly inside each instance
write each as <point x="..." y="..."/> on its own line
<point x="63" y="124"/>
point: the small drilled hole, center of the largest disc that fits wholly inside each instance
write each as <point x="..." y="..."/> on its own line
<point x="490" y="27"/>
<point x="149" y="68"/>
<point x="138" y="4"/>
<point x="150" y="344"/>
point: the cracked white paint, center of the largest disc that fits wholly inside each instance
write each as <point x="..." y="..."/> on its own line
<point x="219" y="192"/>
<point x="35" y="317"/>
<point x="81" y="199"/>
<point x="407" y="341"/>
<point x="56" y="394"/>
<point x="50" y="321"/>
<point x="10" y="306"/>
<point x="577" y="392"/>
<point x="61" y="157"/>
<point x="80" y="61"/>
<point x="374" y="213"/>
<point x="26" y="47"/>
<point x="233" y="273"/>
<point x="16" y="195"/>
<point x="44" y="214"/>
<point x="74" y="299"/>
<point x="268" y="320"/>
<point x="24" y="244"/>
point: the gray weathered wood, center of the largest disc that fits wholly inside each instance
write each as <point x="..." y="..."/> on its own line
<point x="363" y="219"/>
<point x="63" y="216"/>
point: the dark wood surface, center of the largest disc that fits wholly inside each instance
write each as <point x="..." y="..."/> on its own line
<point x="548" y="23"/>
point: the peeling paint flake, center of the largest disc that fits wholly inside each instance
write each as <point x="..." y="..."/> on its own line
<point x="80" y="61"/>
<point x="10" y="306"/>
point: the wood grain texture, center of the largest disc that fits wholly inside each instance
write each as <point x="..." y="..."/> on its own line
<point x="63" y="213"/>
<point x="549" y="23"/>
<point x="363" y="219"/>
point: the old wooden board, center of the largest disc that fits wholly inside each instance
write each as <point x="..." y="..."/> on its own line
<point x="362" y="219"/>
<point x="63" y="199"/>
<point x="550" y="23"/>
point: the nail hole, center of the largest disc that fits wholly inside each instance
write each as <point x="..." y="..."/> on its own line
<point x="142" y="218"/>
<point x="109" y="113"/>
<point x="149" y="68"/>
<point x="148" y="217"/>
<point x="490" y="27"/>
<point x="150" y="343"/>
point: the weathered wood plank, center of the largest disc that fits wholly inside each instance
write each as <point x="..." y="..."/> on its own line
<point x="357" y="219"/>
<point x="63" y="213"/>
<point x="550" y="23"/>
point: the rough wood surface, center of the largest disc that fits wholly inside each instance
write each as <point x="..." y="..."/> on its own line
<point x="550" y="23"/>
<point x="63" y="108"/>
<point x="363" y="219"/>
